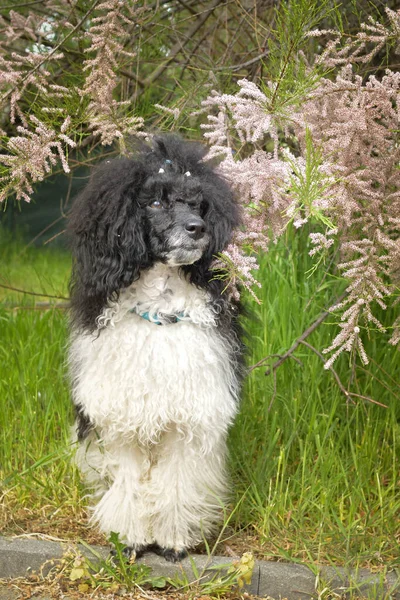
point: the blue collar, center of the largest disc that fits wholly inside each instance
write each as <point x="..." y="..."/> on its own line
<point x="167" y="319"/>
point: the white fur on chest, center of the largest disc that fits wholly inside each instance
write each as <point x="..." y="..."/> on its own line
<point x="136" y="379"/>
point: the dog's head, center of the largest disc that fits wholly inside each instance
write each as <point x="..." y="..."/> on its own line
<point x="174" y="213"/>
<point x="164" y="204"/>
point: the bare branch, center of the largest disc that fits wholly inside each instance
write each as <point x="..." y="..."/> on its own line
<point x="262" y="362"/>
<point x="349" y="395"/>
<point x="304" y="335"/>
<point x="20" y="5"/>
<point x="331" y="369"/>
<point x="177" y="47"/>
<point x="14" y="289"/>
<point x="252" y="61"/>
<point x="37" y="306"/>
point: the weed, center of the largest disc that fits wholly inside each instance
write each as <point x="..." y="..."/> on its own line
<point x="114" y="573"/>
<point x="119" y="575"/>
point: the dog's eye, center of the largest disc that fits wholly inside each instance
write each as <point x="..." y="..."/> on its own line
<point x="156" y="204"/>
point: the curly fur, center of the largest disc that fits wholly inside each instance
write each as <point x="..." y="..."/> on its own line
<point x="155" y="353"/>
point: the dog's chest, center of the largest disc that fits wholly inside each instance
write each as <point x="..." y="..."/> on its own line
<point x="162" y="295"/>
<point x="137" y="377"/>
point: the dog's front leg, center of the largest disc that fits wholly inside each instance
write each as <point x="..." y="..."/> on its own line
<point x="121" y="509"/>
<point x="186" y="491"/>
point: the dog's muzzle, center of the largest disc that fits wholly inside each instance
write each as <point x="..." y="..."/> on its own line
<point x="187" y="242"/>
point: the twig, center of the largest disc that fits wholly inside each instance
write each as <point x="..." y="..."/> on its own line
<point x="36" y="306"/>
<point x="331" y="369"/>
<point x="304" y="335"/>
<point x="187" y="6"/>
<point x="20" y="5"/>
<point x="54" y="237"/>
<point x="33" y="240"/>
<point x="368" y="399"/>
<point x="14" y="289"/>
<point x="229" y="46"/>
<point x="132" y="76"/>
<point x="261" y="362"/>
<point x="176" y="48"/>
<point x="248" y="63"/>
<point x="206" y="34"/>
<point x="349" y="395"/>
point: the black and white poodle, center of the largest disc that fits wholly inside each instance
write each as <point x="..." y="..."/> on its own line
<point x="155" y="353"/>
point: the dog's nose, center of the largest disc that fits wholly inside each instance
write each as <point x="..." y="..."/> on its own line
<point x="195" y="228"/>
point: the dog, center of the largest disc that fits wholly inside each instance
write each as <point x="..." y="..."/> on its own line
<point x="156" y="356"/>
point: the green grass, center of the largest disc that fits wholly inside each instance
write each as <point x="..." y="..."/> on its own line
<point x="315" y="477"/>
<point x="43" y="271"/>
<point x="318" y="476"/>
<point x="37" y="483"/>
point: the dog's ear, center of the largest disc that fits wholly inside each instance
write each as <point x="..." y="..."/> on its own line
<point x="106" y="230"/>
<point x="221" y="213"/>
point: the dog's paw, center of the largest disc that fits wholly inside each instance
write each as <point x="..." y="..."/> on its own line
<point x="170" y="554"/>
<point x="173" y="555"/>
<point x="131" y="553"/>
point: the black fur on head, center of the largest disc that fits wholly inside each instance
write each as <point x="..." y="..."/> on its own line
<point x="163" y="204"/>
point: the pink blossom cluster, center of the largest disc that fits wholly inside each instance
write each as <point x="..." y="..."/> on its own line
<point x="32" y="155"/>
<point x="239" y="267"/>
<point x="22" y="70"/>
<point x="261" y="178"/>
<point x="341" y="50"/>
<point x="245" y="111"/>
<point x="108" y="117"/>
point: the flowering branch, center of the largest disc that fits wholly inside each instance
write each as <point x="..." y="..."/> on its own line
<point x="32" y="156"/>
<point x="373" y="35"/>
<point x="107" y="116"/>
<point x="35" y="61"/>
<point x="344" y="174"/>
